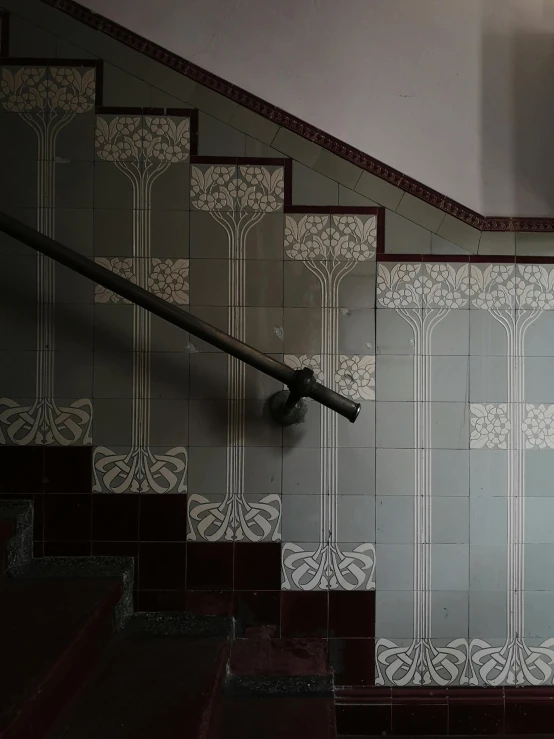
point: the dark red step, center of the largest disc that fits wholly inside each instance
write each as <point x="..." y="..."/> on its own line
<point x="272" y="717"/>
<point x="153" y="686"/>
<point x="51" y="634"/>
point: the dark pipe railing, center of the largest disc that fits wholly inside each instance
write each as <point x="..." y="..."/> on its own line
<point x="301" y="383"/>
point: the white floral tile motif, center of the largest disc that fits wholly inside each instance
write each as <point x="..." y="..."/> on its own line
<point x="124" y="268"/>
<point x="161" y="139"/>
<point x="299" y="361"/>
<point x="398" y="286"/>
<point x="490" y="426"/>
<point x="33" y="89"/>
<point x="332" y="239"/>
<point x="538" y="426"/>
<point x="535" y="287"/>
<point x="355" y="377"/>
<point x="166" y="278"/>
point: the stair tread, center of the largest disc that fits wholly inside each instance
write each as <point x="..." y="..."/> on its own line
<point x="277" y="718"/>
<point x="151" y="686"/>
<point x="40" y="619"/>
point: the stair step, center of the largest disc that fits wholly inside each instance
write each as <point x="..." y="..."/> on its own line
<point x="152" y="686"/>
<point x="51" y="632"/>
<point x="278" y="718"/>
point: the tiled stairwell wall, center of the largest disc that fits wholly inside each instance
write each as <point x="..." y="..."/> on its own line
<point x="415" y="539"/>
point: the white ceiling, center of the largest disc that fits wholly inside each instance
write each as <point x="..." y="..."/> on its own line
<point x="456" y="93"/>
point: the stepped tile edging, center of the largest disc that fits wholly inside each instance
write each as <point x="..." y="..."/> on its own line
<point x="170" y="623"/>
<point x="19" y="548"/>
<point x="97" y="567"/>
<point x="298" y="126"/>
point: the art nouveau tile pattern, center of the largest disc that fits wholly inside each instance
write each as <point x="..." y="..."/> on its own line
<point x="462" y="520"/>
<point x="327" y="250"/>
<point x="51" y="101"/>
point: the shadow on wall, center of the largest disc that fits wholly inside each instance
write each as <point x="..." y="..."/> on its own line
<point x="517" y="113"/>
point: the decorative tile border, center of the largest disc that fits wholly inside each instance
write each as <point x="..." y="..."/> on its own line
<point x="298" y="126"/>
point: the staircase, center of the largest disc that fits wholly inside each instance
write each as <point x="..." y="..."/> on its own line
<point x="78" y="663"/>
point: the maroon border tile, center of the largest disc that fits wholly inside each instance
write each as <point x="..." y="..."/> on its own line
<point x="162" y="566"/>
<point x="209" y="603"/>
<point x="304" y="614"/>
<point x="477" y="719"/>
<point x="22" y="469"/>
<point x="115" y="517"/>
<point x="351" y="613"/>
<point x="67" y="517"/>
<point x="364" y="720"/>
<point x="210" y="566"/>
<point x="420" y="719"/>
<point x="257" y="566"/>
<point x="298" y="126"/>
<point x="162" y="518"/>
<point x="68" y="469"/>
<point x="353" y="661"/>
<point x="4" y="33"/>
<point x="255" y="608"/>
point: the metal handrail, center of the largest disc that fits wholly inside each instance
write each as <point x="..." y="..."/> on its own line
<point x="301" y="383"/>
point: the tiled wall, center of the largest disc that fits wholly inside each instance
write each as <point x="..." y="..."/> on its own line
<point x="415" y="539"/>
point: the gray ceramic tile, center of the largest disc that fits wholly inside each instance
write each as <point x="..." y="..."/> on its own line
<point x="169" y="422"/>
<point x="356" y="518"/>
<point x="450" y="567"/>
<point x="217" y="316"/>
<point x="208" y="240"/>
<point x="11" y="246"/>
<point x="265" y="239"/>
<point x="539" y="337"/>
<point x="450" y="472"/>
<point x="73" y="374"/>
<point x="442" y="246"/>
<point x="219" y="139"/>
<point x="394" y="334"/>
<point x="420" y="212"/>
<point x="306" y="434"/>
<point x="460" y="233"/>
<point x="121" y="89"/>
<point x="361" y="433"/>
<point x="208" y="376"/>
<point x="171" y="190"/>
<point x="113" y="327"/>
<point x="350" y="197"/>
<point x="357" y="288"/>
<point x="450" y="520"/>
<point x="379" y="190"/>
<point x="71" y="287"/>
<point x="259" y="428"/>
<point x="488" y="380"/>
<point x="113" y="375"/>
<point x="539" y="574"/>
<point x="17" y="374"/>
<point x="264" y="283"/>
<point x="74" y="228"/>
<point x="539" y="473"/>
<point x="18" y="327"/>
<point x="212" y="102"/>
<point x="487" y="615"/>
<point x="74" y="185"/>
<point x="537" y="244"/>
<point x="394" y="614"/>
<point x="538" y="385"/>
<point x="450" y="426"/>
<point x="301" y="516"/>
<point x="169" y="233"/>
<point x="395" y="472"/>
<point x="312" y="188"/>
<point x="296" y="147"/>
<point x="209" y="282"/>
<point x="302" y="331"/>
<point x="394" y="519"/>
<point x="262" y="470"/>
<point x="161" y="99"/>
<point x="75" y="142"/>
<point x="488" y="520"/>
<point x="27" y="39"/>
<point x="337" y="168"/>
<point x="450" y="378"/>
<point x="22" y="138"/>
<point x="539" y="520"/>
<point x="165" y="337"/>
<point x="449" y="615"/>
<point x="451" y="335"/>
<point x="356" y="331"/>
<point x="258" y="385"/>
<point x="539" y="614"/>
<point x="487" y="335"/>
<point x="169" y="375"/>
<point x="207" y="423"/>
<point x="207" y="470"/>
<point x="394" y="425"/>
<point x="488" y="472"/>
<point x="302" y="288"/>
<point x="255" y="148"/>
<point x="112" y="422"/>
<point x="18" y="187"/>
<point x="405" y="237"/>
<point x="18" y="279"/>
<point x="112" y="189"/>
<point x="113" y="233"/>
<point x="487" y="567"/>
<point x="394" y="566"/>
<point x="301" y="472"/>
<point x="356" y="471"/>
<point x="264" y="329"/>
<point x="73" y="327"/>
<point x="497" y="242"/>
